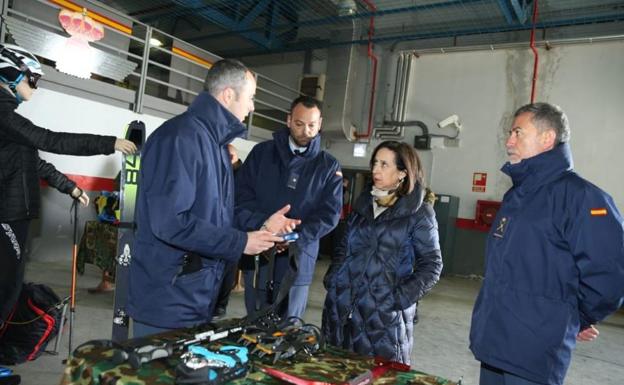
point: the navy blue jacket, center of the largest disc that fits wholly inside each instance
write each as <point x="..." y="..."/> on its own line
<point x="262" y="188"/>
<point x="382" y="268"/>
<point x="185" y="205"/>
<point x="555" y="265"/>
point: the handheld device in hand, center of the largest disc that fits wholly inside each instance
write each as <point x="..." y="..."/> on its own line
<point x="5" y="372"/>
<point x="289" y="237"/>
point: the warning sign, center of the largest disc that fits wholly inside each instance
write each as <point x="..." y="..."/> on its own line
<point x="479" y="181"/>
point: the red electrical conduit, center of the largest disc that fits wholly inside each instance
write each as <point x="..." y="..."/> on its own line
<point x="371" y="55"/>
<point x="534" y="52"/>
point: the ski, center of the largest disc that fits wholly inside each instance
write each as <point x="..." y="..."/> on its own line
<point x="129" y="184"/>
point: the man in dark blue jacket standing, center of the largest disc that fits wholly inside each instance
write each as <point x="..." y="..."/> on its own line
<point x="290" y="170"/>
<point x="555" y="259"/>
<point x="185" y="207"/>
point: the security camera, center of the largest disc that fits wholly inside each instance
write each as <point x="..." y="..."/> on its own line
<point x="453" y="119"/>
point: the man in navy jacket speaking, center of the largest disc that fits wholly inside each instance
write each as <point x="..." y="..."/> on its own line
<point x="554" y="259"/>
<point x="185" y="208"/>
<point x="290" y="170"/>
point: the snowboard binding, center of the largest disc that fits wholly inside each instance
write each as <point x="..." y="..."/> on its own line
<point x="284" y="340"/>
<point x="203" y="366"/>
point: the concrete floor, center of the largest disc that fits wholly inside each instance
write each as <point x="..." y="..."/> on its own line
<point x="441" y="336"/>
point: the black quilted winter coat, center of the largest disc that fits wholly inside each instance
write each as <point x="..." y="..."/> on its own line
<point x="382" y="268"/>
<point x="21" y="167"/>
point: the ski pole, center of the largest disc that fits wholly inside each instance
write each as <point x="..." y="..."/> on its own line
<point x="72" y="305"/>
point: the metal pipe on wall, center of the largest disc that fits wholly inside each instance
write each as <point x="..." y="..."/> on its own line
<point x="395" y="129"/>
<point x="536" y="61"/>
<point x="339" y="87"/>
<point x="4" y="5"/>
<point x="397" y="84"/>
<point x="373" y="57"/>
<point x="397" y="98"/>
<point x="138" y="105"/>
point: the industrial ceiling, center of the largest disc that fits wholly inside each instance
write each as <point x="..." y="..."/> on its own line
<point x="253" y="27"/>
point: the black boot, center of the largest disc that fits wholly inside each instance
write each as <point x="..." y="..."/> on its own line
<point x="219" y="313"/>
<point x="13" y="379"/>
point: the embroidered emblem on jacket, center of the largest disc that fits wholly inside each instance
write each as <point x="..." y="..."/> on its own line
<point x="598" y="212"/>
<point x="500" y="227"/>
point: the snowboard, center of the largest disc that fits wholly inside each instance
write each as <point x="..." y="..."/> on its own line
<point x="129" y="185"/>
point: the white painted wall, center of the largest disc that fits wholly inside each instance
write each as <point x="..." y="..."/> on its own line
<point x="61" y="112"/>
<point x="484" y="88"/>
<point x="473" y="86"/>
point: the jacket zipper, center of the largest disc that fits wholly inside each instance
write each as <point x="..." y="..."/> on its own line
<point x="25" y="185"/>
<point x="353" y="299"/>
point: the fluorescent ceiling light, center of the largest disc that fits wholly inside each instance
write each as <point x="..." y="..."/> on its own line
<point x="155" y="42"/>
<point x="359" y="150"/>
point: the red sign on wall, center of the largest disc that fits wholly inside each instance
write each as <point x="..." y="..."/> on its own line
<point x="479" y="181"/>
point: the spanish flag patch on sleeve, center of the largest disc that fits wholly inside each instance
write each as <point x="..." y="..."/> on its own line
<point x="598" y="212"/>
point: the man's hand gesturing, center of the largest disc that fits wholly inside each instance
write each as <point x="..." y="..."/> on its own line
<point x="278" y="223"/>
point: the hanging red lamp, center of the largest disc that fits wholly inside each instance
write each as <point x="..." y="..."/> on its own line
<point x="77" y="58"/>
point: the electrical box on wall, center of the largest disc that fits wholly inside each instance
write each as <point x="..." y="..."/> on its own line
<point x="446" y="209"/>
<point x="486" y="212"/>
<point x="422" y="142"/>
<point x="313" y="85"/>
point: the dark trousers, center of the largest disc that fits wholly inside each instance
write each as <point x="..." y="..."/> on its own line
<point x="492" y="376"/>
<point x="227" y="284"/>
<point x="12" y="264"/>
<point x="256" y="298"/>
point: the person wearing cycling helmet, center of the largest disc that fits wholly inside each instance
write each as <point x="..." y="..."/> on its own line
<point x="21" y="167"/>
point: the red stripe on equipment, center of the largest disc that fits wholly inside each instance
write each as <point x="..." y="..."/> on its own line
<point x="89" y="183"/>
<point x="49" y="326"/>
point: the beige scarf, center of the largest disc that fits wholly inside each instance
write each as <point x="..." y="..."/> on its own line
<point x="384" y="198"/>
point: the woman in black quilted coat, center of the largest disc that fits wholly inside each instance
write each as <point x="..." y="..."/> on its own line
<point x="388" y="259"/>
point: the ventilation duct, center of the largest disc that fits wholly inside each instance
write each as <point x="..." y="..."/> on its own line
<point x="339" y="86"/>
<point x="346" y="7"/>
<point x="394" y="128"/>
